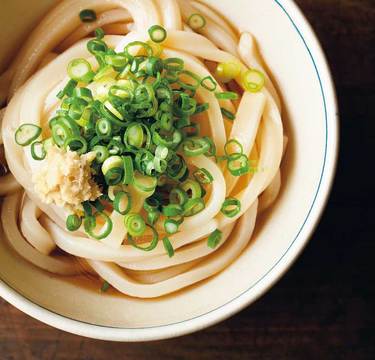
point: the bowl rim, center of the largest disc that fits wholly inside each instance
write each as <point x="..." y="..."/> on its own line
<point x="263" y="284"/>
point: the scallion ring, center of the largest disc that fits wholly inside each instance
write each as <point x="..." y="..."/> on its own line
<point x="27" y="133"/>
<point x="87" y="15"/>
<point x="231" y="207"/>
<point x="73" y="222"/>
<point x="122" y="203"/>
<point x="196" y="21"/>
<point x="193" y="206"/>
<point x="253" y="80"/>
<point x="80" y="70"/>
<point x="151" y="246"/>
<point x="96" y="231"/>
<point x="38" y="152"/>
<point x="168" y="247"/>
<point x="135" y="224"/>
<point x="157" y="33"/>
<point x="203" y="176"/>
<point x="214" y="239"/>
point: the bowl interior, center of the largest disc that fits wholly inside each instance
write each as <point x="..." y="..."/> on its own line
<point x="293" y="70"/>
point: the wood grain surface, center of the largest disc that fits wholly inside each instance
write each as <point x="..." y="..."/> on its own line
<point x="324" y="307"/>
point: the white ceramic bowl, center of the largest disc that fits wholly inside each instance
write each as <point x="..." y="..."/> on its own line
<point x="298" y="65"/>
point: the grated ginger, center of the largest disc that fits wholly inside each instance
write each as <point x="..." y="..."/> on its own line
<point x="65" y="179"/>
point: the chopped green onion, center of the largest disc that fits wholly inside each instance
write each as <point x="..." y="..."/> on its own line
<point x="172" y="210"/>
<point x="91" y="227"/>
<point x="152" y="217"/>
<point x="214" y="239"/>
<point x="226" y="72"/>
<point x="128" y="170"/>
<point x="157" y="33"/>
<point x="105" y="287"/>
<point x="193" y="206"/>
<point x="122" y="203"/>
<point x="134" y="136"/>
<point x="203" y="176"/>
<point x="144" y="183"/>
<point x="87" y="15"/>
<point x="195" y="146"/>
<point x="226" y="95"/>
<point x="168" y="247"/>
<point x="77" y="144"/>
<point x="233" y="149"/>
<point x="174" y="64"/>
<point x="228" y="114"/>
<point x="231" y="207"/>
<point x="201" y="108"/>
<point x="38" y="151"/>
<point x="171" y="226"/>
<point x="253" y="80"/>
<point x="196" y="21"/>
<point x="151" y="246"/>
<point x="209" y="83"/>
<point x="137" y="45"/>
<point x="112" y="162"/>
<point x="178" y="196"/>
<point x="135" y="224"/>
<point x="73" y="222"/>
<point x="68" y="89"/>
<point x="192" y="188"/>
<point x="101" y="153"/>
<point x="80" y="70"/>
<point x="27" y="133"/>
<point x="104" y="128"/>
<point x="239" y="166"/>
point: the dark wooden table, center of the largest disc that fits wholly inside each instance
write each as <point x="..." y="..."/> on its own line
<point x="324" y="307"/>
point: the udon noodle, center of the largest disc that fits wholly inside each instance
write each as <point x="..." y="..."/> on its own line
<point x="35" y="230"/>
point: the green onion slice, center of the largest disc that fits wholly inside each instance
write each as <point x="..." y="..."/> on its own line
<point x="135" y="224"/>
<point x="231" y="207"/>
<point x="102" y="153"/>
<point x="38" y="152"/>
<point x="171" y="226"/>
<point x="226" y="95"/>
<point x="122" y="203"/>
<point x="233" y="149"/>
<point x="73" y="222"/>
<point x="228" y="114"/>
<point x="195" y="146"/>
<point x="253" y="80"/>
<point x="168" y="247"/>
<point x="193" y="206"/>
<point x="80" y="70"/>
<point x="239" y="166"/>
<point x="87" y="15"/>
<point x="27" y="133"/>
<point x="203" y="176"/>
<point x="192" y="188"/>
<point x="172" y="210"/>
<point x="144" y="183"/>
<point x="77" y="144"/>
<point x="96" y="231"/>
<point x="157" y="33"/>
<point x="226" y="72"/>
<point x="196" y="21"/>
<point x="214" y="239"/>
<point x="151" y="246"/>
<point x="178" y="196"/>
<point x="209" y="83"/>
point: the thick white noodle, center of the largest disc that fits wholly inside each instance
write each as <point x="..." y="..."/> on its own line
<point x="58" y="265"/>
<point x="118" y="278"/>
